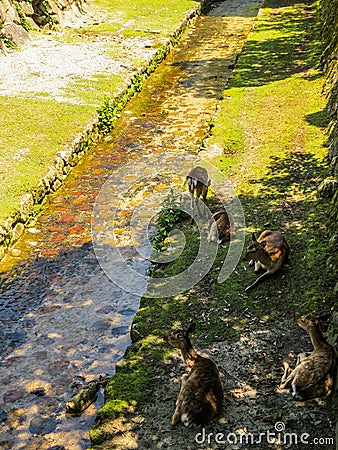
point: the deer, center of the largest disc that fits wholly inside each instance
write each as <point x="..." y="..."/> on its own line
<point x="268" y="252"/>
<point x="198" y="185"/>
<point x="219" y="228"/>
<point x="200" y="399"/>
<point x="314" y="374"/>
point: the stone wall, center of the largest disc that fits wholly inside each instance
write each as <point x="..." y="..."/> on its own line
<point x="329" y="189"/>
<point x="329" y="22"/>
<point x="17" y="17"/>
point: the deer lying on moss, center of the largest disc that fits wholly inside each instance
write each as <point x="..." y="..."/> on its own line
<point x="198" y="185"/>
<point x="314" y="374"/>
<point x="268" y="252"/>
<point x="200" y="399"/>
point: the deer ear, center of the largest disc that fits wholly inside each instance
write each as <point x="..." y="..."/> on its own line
<point x="254" y="239"/>
<point x="191" y="328"/>
<point x="209" y="183"/>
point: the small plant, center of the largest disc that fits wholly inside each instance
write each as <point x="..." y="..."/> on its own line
<point x="170" y="214"/>
<point x="9" y="44"/>
<point x="106" y="114"/>
<point x="137" y="82"/>
<point x="46" y="8"/>
<point x="23" y="19"/>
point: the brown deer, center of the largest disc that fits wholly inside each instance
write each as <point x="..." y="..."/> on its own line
<point x="314" y="374"/>
<point x="200" y="399"/>
<point x="269" y="252"/>
<point x="219" y="228"/>
<point x="198" y="184"/>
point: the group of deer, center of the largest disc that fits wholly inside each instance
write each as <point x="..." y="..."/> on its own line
<point x="267" y="253"/>
<point x="201" y="396"/>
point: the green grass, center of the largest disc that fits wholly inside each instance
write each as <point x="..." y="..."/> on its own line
<point x="28" y="146"/>
<point x="271" y="125"/>
<point x="139" y="18"/>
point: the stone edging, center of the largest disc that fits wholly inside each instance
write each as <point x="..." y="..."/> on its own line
<point x="72" y="153"/>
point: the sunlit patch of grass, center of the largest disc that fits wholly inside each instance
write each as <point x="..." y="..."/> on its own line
<point x="139" y="18"/>
<point x="28" y="146"/>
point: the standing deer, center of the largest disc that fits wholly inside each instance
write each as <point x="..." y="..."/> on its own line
<point x="269" y="252"/>
<point x="200" y="399"/>
<point x="198" y="184"/>
<point x="314" y="373"/>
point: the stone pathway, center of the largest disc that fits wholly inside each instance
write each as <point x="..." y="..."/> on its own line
<point x="62" y="318"/>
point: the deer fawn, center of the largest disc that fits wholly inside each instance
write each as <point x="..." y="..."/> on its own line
<point x="314" y="373"/>
<point x="219" y="227"/>
<point x="200" y="399"/>
<point x="198" y="185"/>
<point x="269" y="252"/>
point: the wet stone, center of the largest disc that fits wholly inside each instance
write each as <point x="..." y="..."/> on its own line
<point x="12" y="395"/>
<point x="57" y="367"/>
<point x="3" y="416"/>
<point x="42" y="425"/>
<point x="128" y="312"/>
<point x="39" y="392"/>
<point x="6" y="445"/>
<point x="19" y="336"/>
<point x="106" y="309"/>
<point x="119" y="331"/>
<point x="101" y="325"/>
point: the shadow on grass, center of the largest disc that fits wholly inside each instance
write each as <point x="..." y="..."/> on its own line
<point x="296" y="51"/>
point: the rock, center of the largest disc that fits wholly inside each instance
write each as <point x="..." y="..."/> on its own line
<point x="15" y="417"/>
<point x="17" y="231"/>
<point x="119" y="331"/>
<point x="57" y="367"/>
<point x="26" y="207"/>
<point x="13" y="395"/>
<point x="42" y="425"/>
<point x="328" y="188"/>
<point x="16" y="34"/>
<point x="40" y="392"/>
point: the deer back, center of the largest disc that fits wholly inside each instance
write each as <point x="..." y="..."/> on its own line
<point x="270" y="244"/>
<point x="219" y="227"/>
<point x="198" y="182"/>
<point x="201" y="397"/>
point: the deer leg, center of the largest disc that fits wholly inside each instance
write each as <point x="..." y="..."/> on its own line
<point x="198" y="206"/>
<point x="287" y="371"/>
<point x="288" y="375"/>
<point x="177" y="414"/>
<point x="259" y="280"/>
<point x="258" y="266"/>
<point x="192" y="206"/>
